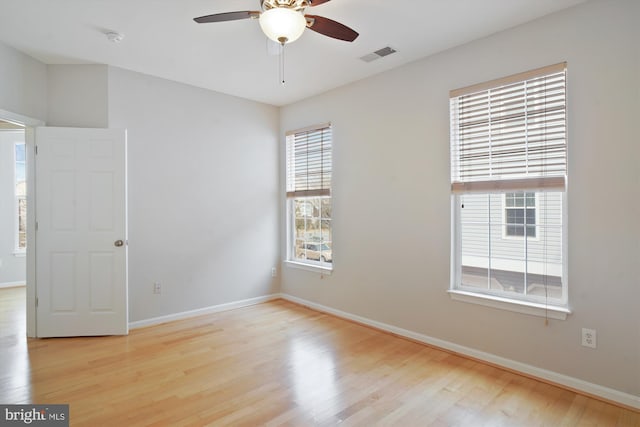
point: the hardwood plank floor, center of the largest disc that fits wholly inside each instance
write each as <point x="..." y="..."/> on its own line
<point x="277" y="364"/>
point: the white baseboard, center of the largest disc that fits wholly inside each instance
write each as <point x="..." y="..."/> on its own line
<point x="576" y="384"/>
<point x="201" y="311"/>
<point x="12" y="284"/>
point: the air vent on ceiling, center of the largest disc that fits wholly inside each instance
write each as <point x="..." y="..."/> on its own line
<point x="378" y="54"/>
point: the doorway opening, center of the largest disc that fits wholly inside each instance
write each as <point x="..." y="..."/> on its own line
<point x="13" y="228"/>
<point x="21" y="198"/>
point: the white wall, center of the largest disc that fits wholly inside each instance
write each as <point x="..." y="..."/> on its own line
<point x="203" y="194"/>
<point x="392" y="202"/>
<point x="13" y="269"/>
<point x="23" y="84"/>
<point x="202" y="182"/>
<point x="77" y="96"/>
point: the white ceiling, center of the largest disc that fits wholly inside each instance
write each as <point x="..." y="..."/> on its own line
<point x="161" y="39"/>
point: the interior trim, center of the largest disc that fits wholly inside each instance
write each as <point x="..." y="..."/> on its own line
<point x="202" y="311"/>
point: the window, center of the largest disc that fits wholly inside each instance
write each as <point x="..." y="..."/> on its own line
<point x="508" y="174"/>
<point x="309" y="196"/>
<point x="520" y="214"/>
<point x="20" y="197"/>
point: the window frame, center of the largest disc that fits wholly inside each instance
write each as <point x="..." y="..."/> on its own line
<point x="552" y="310"/>
<point x="323" y="193"/>
<point x="18" y="199"/>
<point x="536" y="183"/>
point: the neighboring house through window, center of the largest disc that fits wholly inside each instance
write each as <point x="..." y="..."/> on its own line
<point x="308" y="180"/>
<point x="520" y="214"/>
<point x="508" y="175"/>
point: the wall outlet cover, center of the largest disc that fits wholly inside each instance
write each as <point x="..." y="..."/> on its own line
<point x="589" y="338"/>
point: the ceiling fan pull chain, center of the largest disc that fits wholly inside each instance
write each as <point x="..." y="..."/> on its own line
<point x="282" y="81"/>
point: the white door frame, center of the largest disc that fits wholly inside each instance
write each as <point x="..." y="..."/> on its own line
<point x="29" y="135"/>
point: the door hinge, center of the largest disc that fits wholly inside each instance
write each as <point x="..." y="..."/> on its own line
<point x="36" y="302"/>
<point x="36" y="225"/>
<point x="36" y="150"/>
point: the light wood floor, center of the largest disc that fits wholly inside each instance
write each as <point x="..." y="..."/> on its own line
<point x="275" y="364"/>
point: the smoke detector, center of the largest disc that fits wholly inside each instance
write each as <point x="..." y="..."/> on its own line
<point x="114" y="37"/>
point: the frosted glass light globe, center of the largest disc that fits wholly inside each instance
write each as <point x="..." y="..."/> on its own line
<point x="282" y="25"/>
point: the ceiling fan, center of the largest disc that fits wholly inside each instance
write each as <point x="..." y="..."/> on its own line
<point x="284" y="21"/>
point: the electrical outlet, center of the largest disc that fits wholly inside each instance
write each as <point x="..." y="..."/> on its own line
<point x="157" y="289"/>
<point x="274" y="272"/>
<point x="589" y="337"/>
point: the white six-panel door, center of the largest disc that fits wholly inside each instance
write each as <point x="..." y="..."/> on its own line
<point x="81" y="246"/>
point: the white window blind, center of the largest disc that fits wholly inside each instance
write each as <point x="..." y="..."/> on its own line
<point x="510" y="133"/>
<point x="309" y="162"/>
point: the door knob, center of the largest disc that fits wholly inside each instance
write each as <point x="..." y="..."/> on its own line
<point x="118" y="243"/>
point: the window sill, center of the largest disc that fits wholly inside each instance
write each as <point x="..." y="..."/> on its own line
<point x="525" y="307"/>
<point x="19" y="254"/>
<point x="309" y="267"/>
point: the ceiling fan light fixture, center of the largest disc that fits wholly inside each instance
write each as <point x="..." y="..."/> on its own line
<point x="282" y="25"/>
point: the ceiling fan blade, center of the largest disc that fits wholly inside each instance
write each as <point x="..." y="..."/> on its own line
<point x="228" y="16"/>
<point x="331" y="28"/>
<point x="317" y="2"/>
